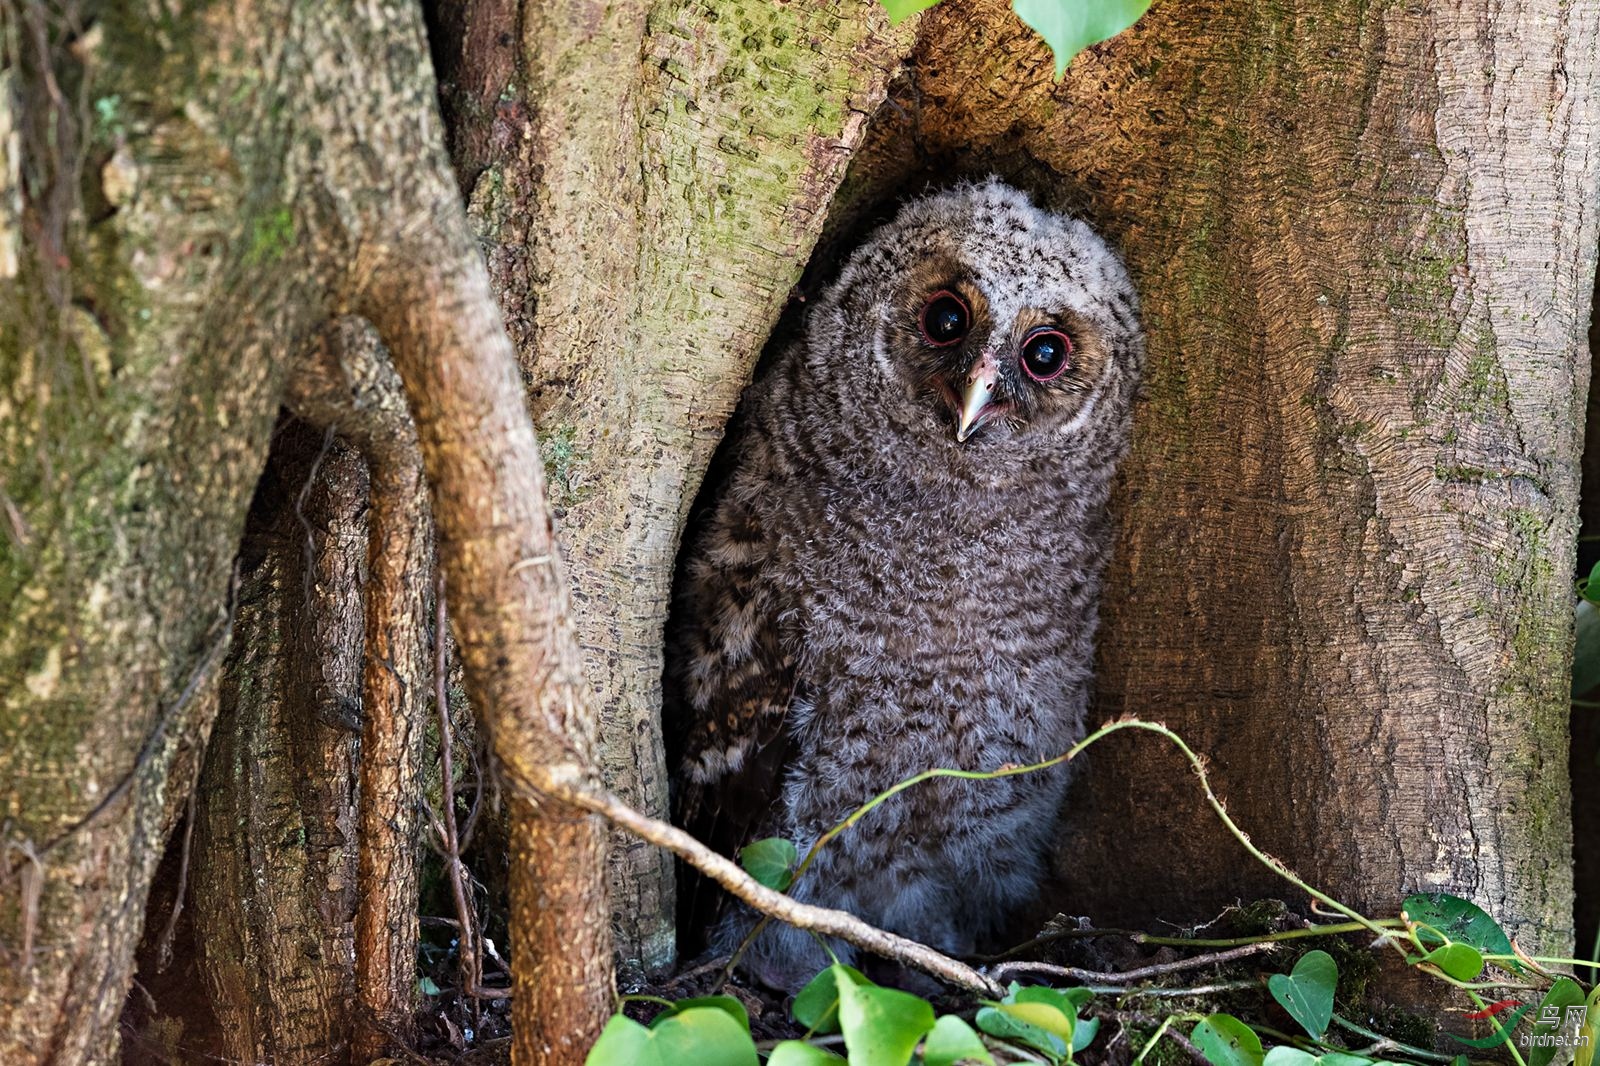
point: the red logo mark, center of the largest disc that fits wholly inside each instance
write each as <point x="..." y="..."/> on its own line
<point x="1494" y="1008"/>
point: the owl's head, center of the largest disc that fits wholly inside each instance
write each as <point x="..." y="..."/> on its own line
<point x="998" y="320"/>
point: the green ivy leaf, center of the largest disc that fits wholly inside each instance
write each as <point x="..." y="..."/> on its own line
<point x="1019" y="1022"/>
<point x="1456" y="920"/>
<point x="800" y="1053"/>
<point x="881" y="1026"/>
<point x="1586" y="644"/>
<point x="727" y="1004"/>
<point x="1589" y="1032"/>
<point x="1284" y="1055"/>
<point x="1306" y="992"/>
<point x="900" y="10"/>
<point x="1589" y="587"/>
<point x="817" y="1005"/>
<point x="951" y="1041"/>
<point x="1563" y="994"/>
<point x="1461" y="961"/>
<point x="623" y="1040"/>
<point x="1226" y="1041"/>
<point x="705" y="1036"/>
<point x="770" y="861"/>
<point x="1078" y="997"/>
<point x="1083" y="1033"/>
<point x="1062" y="999"/>
<point x="1070" y="26"/>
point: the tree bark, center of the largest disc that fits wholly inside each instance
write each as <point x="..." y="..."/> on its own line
<point x="524" y="671"/>
<point x="649" y="179"/>
<point x="348" y="384"/>
<point x="259" y="169"/>
<point x="274" y="863"/>
<point x="136" y="398"/>
<point x="1365" y="239"/>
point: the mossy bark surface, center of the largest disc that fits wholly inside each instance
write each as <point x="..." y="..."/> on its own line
<point x="203" y="187"/>
<point x="136" y="396"/>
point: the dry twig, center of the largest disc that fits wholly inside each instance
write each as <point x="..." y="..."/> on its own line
<point x="565" y="785"/>
<point x="1005" y="970"/>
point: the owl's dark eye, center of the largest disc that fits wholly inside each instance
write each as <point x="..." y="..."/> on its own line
<point x="945" y="319"/>
<point x="1046" y="353"/>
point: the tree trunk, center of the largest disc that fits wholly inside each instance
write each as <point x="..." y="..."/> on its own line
<point x="258" y="170"/>
<point x="1585" y="756"/>
<point x="644" y="230"/>
<point x="274" y="863"/>
<point x="1365" y="240"/>
<point x="136" y="397"/>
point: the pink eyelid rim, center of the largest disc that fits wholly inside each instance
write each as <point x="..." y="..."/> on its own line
<point x="922" y="319"/>
<point x="1040" y="332"/>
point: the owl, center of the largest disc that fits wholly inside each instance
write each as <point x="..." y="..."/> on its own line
<point x="900" y="570"/>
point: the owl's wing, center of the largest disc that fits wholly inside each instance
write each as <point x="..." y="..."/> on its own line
<point x="734" y="677"/>
<point x="731" y="672"/>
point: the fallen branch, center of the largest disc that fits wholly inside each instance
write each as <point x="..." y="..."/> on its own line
<point x="1004" y="971"/>
<point x="551" y="782"/>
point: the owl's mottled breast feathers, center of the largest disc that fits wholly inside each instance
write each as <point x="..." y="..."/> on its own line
<point x="901" y="566"/>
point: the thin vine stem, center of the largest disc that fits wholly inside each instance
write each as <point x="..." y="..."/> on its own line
<point x="1384" y="929"/>
<point x="1140" y="937"/>
<point x="1410" y="1049"/>
<point x="1388" y="1043"/>
<point x="1335" y="929"/>
<point x="1272" y="863"/>
<point x="1171" y="992"/>
<point x="1155" y="1037"/>
<point x="1511" y="1045"/>
<point x="1542" y="960"/>
<point x="640" y="997"/>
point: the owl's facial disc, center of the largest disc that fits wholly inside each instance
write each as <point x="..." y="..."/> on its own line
<point x="996" y="358"/>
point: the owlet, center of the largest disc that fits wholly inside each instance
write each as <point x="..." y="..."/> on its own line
<point x="900" y="571"/>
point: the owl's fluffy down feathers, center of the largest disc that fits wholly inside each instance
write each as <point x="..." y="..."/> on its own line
<point x="866" y="597"/>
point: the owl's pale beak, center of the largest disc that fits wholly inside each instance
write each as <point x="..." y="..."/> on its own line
<point x="977" y="396"/>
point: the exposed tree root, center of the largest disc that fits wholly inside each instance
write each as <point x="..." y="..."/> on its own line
<point x="322" y="393"/>
<point x="348" y="384"/>
<point x="428" y="295"/>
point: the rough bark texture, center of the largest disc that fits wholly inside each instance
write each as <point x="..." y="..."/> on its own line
<point x="136" y="397"/>
<point x="258" y="168"/>
<point x="524" y="672"/>
<point x="348" y="384"/>
<point x="1585" y="760"/>
<point x="1365" y="236"/>
<point x="644" y="228"/>
<point x="274" y="863"/>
